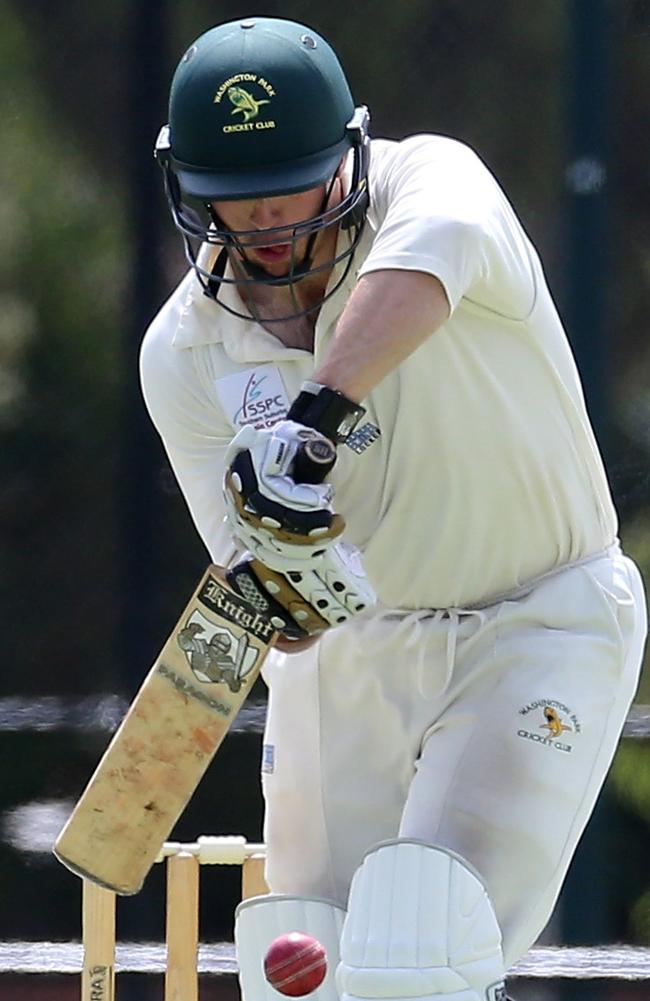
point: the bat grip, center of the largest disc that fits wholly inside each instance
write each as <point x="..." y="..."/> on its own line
<point x="313" y="461"/>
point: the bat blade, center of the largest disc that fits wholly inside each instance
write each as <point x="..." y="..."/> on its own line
<point x="166" y="741"/>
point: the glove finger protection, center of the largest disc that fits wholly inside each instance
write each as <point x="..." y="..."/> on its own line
<point x="305" y="602"/>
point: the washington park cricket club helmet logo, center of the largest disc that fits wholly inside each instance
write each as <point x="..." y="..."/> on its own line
<point x="248" y="93"/>
<point x="216" y="654"/>
<point x="245" y="103"/>
<point x="558" y="726"/>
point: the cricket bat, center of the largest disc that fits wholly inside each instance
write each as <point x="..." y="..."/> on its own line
<point x="167" y="739"/>
<point x="173" y="728"/>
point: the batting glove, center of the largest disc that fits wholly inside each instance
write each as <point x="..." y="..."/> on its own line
<point x="283" y="523"/>
<point x="306" y="602"/>
<point x="273" y="504"/>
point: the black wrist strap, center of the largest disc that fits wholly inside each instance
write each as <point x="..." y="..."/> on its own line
<point x="326" y="410"/>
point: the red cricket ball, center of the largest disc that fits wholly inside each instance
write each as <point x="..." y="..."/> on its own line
<point x="295" y="964"/>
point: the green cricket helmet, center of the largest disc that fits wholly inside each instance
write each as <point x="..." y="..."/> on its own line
<point x="260" y="108"/>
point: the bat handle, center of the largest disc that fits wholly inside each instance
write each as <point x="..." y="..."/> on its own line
<point x="313" y="460"/>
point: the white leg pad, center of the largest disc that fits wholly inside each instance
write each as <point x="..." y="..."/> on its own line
<point x="419" y="925"/>
<point x="259" y="920"/>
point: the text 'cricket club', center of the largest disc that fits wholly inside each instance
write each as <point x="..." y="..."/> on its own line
<point x="235" y="609"/>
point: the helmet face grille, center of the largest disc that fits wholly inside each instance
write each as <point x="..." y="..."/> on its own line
<point x="199" y="230"/>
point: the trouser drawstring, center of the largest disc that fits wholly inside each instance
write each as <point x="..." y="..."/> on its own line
<point x="416" y="625"/>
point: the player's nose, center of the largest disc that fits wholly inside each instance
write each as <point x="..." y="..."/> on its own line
<point x="266" y="213"/>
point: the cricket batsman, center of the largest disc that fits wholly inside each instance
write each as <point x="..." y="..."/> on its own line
<point x="462" y="635"/>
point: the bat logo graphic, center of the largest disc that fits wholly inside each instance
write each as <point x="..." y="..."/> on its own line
<point x="216" y="655"/>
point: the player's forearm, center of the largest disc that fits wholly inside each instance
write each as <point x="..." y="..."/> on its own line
<point x="389" y="314"/>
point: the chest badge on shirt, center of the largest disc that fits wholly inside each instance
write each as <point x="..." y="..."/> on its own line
<point x="255" y="397"/>
<point x="560" y="724"/>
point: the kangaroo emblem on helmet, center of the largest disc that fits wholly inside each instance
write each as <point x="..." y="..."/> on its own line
<point x="245" y="102"/>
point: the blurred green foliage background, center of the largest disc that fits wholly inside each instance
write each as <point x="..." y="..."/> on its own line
<point x="97" y="555"/>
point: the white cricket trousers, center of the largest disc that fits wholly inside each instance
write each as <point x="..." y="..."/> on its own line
<point x="489" y="732"/>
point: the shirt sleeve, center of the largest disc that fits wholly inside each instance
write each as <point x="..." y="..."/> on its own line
<point x="436" y="208"/>
<point x="194" y="432"/>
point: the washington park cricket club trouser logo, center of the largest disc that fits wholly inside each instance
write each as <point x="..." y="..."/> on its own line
<point x="216" y="655"/>
<point x="560" y="724"/>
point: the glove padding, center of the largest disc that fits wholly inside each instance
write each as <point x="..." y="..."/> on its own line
<point x="283" y="523"/>
<point x="306" y="602"/>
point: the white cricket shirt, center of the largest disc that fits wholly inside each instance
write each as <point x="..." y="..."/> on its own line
<point x="475" y="468"/>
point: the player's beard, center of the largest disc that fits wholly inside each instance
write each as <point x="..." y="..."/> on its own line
<point x="267" y="301"/>
<point x="263" y="297"/>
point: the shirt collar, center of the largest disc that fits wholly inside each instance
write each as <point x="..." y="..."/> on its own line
<point x="203" y="322"/>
